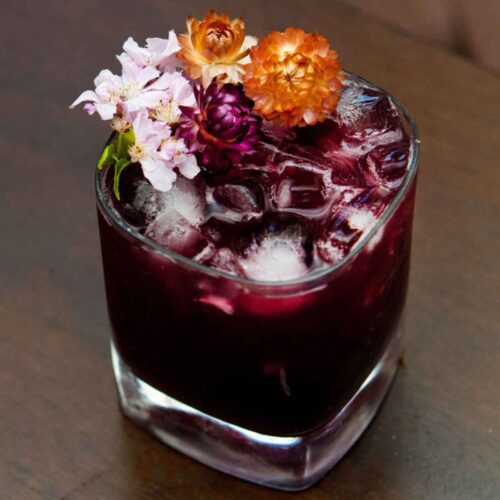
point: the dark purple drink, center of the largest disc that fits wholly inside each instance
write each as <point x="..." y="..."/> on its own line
<point x="267" y="295"/>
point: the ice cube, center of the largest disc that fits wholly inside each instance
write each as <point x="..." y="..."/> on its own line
<point x="147" y="200"/>
<point x="301" y="186"/>
<point x="388" y="164"/>
<point x="346" y="195"/>
<point x="138" y="203"/>
<point x="276" y="257"/>
<point x="350" y="106"/>
<point x="367" y="119"/>
<point x="235" y="202"/>
<point x="226" y="260"/>
<point x="330" y="250"/>
<point x="374" y="199"/>
<point x="362" y="111"/>
<point x="262" y="157"/>
<point x="345" y="168"/>
<point x="339" y="236"/>
<point x="361" y="219"/>
<point x="319" y="150"/>
<point x="319" y="139"/>
<point x="187" y="198"/>
<point x="346" y="227"/>
<point x="171" y="230"/>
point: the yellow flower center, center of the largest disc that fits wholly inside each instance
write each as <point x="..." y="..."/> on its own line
<point x="136" y="152"/>
<point x="114" y="96"/>
<point x="167" y="111"/>
<point x="293" y="77"/>
<point x="176" y="143"/>
<point x="131" y="90"/>
<point x="295" y="73"/>
<point x="219" y="38"/>
<point x="119" y="124"/>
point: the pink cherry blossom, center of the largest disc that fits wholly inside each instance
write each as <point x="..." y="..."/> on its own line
<point x="149" y="136"/>
<point x="175" y="152"/>
<point x="105" y="98"/>
<point x="159" y="153"/>
<point x="147" y="97"/>
<point x="159" y="52"/>
<point x="178" y="92"/>
<point x="137" y="92"/>
<point x="137" y="88"/>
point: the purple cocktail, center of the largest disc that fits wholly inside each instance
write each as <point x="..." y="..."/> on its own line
<point x="255" y="309"/>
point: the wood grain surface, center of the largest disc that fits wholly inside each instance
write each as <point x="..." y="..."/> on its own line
<point x="61" y="432"/>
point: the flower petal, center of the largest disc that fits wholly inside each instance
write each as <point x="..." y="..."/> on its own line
<point x="163" y="51"/>
<point x="89" y="108"/>
<point x="249" y="42"/>
<point x="106" y="76"/>
<point x="128" y="62"/>
<point x="142" y="127"/>
<point x="88" y="95"/>
<point x="145" y="100"/>
<point x="138" y="54"/>
<point x="162" y="83"/>
<point x="189" y="167"/>
<point x="158" y="173"/>
<point x="146" y="74"/>
<point x="105" y="110"/>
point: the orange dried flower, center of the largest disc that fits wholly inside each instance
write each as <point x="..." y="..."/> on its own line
<point x="293" y="77"/>
<point x="215" y="47"/>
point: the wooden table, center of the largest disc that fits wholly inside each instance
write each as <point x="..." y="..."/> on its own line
<point x="61" y="433"/>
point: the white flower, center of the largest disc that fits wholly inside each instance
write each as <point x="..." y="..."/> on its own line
<point x="113" y="92"/>
<point x="146" y="151"/>
<point x="137" y="88"/>
<point x="175" y="152"/>
<point x="159" y="52"/>
<point x="228" y="72"/>
<point x="159" y="153"/>
<point x="137" y="92"/>
<point x="147" y="97"/>
<point x="105" y="98"/>
<point x="178" y="92"/>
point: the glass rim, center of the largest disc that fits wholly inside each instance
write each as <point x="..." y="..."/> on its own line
<point x="312" y="277"/>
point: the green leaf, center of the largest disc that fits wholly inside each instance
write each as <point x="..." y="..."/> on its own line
<point x="116" y="154"/>
<point x="125" y="140"/>
<point x="120" y="166"/>
<point x="107" y="156"/>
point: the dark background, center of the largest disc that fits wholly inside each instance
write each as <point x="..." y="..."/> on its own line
<point x="469" y="28"/>
<point x="61" y="433"/>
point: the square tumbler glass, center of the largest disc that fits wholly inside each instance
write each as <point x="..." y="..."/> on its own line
<point x="268" y="381"/>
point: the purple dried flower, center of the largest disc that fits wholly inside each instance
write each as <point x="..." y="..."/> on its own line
<point x="222" y="129"/>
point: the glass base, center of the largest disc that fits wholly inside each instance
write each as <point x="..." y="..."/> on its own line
<point x="286" y="463"/>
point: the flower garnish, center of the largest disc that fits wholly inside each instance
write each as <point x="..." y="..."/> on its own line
<point x="141" y="84"/>
<point x="160" y="53"/>
<point x="106" y="97"/>
<point x="197" y="100"/>
<point x="178" y="92"/>
<point x="150" y="144"/>
<point x="293" y="77"/>
<point x="143" y="104"/>
<point x="215" y="47"/>
<point x="149" y="137"/>
<point x="127" y="93"/>
<point x="222" y="128"/>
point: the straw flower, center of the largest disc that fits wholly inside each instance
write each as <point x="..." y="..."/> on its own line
<point x="293" y="77"/>
<point x="215" y="47"/>
<point x="221" y="128"/>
